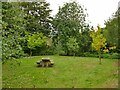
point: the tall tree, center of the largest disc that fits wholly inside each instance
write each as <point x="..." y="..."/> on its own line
<point x="118" y="28"/>
<point x="111" y="31"/>
<point x="68" y="22"/>
<point x="38" y="17"/>
<point x="99" y="41"/>
<point x="0" y="30"/>
<point x="12" y="30"/>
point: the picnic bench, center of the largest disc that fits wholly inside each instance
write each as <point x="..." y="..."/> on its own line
<point x="45" y="62"/>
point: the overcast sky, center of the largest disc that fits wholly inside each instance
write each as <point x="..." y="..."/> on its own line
<point x="98" y="10"/>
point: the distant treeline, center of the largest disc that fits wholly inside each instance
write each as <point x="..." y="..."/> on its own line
<point x="28" y="29"/>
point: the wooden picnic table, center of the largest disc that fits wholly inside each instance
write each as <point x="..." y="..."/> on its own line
<point x="45" y="62"/>
<point x="45" y="59"/>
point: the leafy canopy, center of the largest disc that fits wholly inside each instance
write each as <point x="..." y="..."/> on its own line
<point x="72" y="45"/>
<point x="99" y="41"/>
<point x="36" y="40"/>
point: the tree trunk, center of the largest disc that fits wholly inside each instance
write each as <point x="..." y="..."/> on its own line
<point x="74" y="54"/>
<point x="100" y="57"/>
<point x="30" y="53"/>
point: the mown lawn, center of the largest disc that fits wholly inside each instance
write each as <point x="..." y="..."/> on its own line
<point x="68" y="72"/>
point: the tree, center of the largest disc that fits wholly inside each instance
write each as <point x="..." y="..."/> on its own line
<point x="68" y="22"/>
<point x="85" y="40"/>
<point x="19" y="18"/>
<point x="72" y="46"/>
<point x="0" y="31"/>
<point x="37" y="15"/>
<point x="118" y="12"/>
<point x="111" y="31"/>
<point x="35" y="40"/>
<point x="99" y="41"/>
<point x="12" y="30"/>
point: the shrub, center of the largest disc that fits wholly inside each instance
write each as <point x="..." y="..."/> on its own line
<point x="88" y="54"/>
<point x="111" y="56"/>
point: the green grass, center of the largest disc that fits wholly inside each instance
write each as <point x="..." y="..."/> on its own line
<point x="68" y="72"/>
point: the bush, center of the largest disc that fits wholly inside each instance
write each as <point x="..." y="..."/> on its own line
<point x="50" y="50"/>
<point x="88" y="54"/>
<point x="111" y="56"/>
<point x="104" y="55"/>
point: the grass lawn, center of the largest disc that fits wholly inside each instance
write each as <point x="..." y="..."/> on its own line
<point x="68" y="72"/>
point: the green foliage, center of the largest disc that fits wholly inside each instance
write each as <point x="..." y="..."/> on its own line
<point x="20" y="19"/>
<point x="35" y="40"/>
<point x="111" y="32"/>
<point x="0" y="31"/>
<point x="110" y="56"/>
<point x="70" y="21"/>
<point x="72" y="46"/>
<point x="12" y="30"/>
<point x="28" y="28"/>
<point x="89" y="54"/>
<point x="103" y="55"/>
<point x="37" y="15"/>
<point x="60" y="49"/>
<point x="85" y="41"/>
